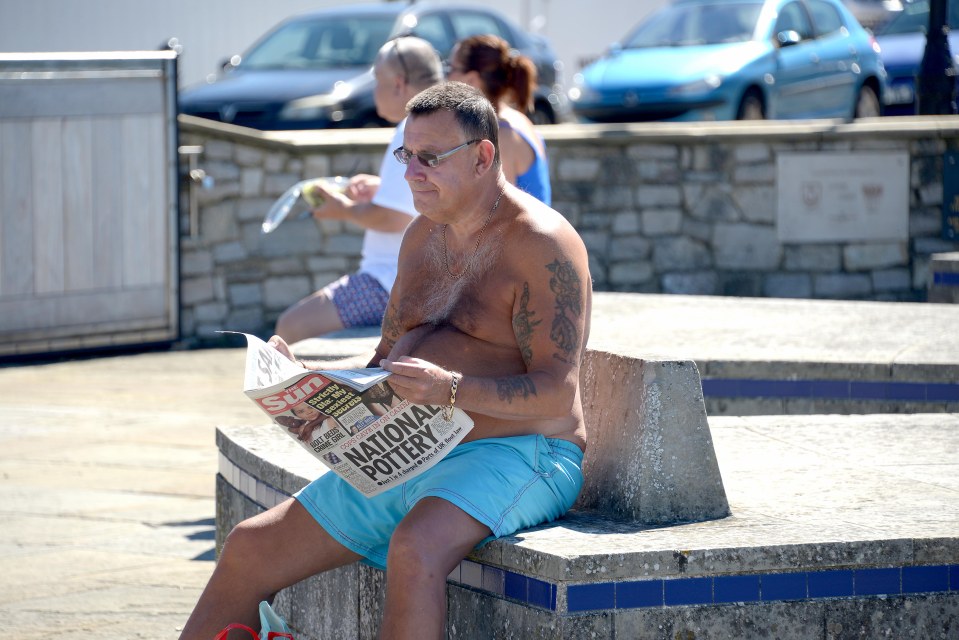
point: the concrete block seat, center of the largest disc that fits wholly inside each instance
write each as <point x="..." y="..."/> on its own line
<point x="838" y="526"/>
<point x="943" y="285"/>
<point x="768" y="356"/>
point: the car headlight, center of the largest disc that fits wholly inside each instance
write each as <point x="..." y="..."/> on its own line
<point x="324" y="106"/>
<point x="703" y="85"/>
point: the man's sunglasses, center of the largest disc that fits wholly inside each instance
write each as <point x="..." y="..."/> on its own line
<point x="404" y="155"/>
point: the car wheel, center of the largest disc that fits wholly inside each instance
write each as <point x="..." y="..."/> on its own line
<point x="751" y="107"/>
<point x="867" y="105"/>
<point x="541" y="114"/>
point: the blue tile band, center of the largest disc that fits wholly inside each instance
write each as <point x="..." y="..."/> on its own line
<point x="752" y="588"/>
<point x="589" y="597"/>
<point x="758" y="588"/>
<point x="831" y="389"/>
<point x="945" y="278"/>
<point x="666" y="592"/>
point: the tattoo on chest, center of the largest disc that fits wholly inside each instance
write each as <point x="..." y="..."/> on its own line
<point x="566" y="285"/>
<point x="523" y="324"/>
<point x="514" y="387"/>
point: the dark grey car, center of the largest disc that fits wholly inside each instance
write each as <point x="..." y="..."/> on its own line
<point x="312" y="71"/>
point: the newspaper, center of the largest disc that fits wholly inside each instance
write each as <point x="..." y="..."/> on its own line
<point x="351" y="420"/>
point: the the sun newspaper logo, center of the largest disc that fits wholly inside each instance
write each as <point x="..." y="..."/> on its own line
<point x="290" y="397"/>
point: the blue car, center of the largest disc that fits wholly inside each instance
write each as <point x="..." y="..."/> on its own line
<point x="903" y="42"/>
<point x="736" y="59"/>
<point x="312" y="71"/>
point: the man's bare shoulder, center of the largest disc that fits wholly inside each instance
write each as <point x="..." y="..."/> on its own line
<point x="420" y="225"/>
<point x="540" y="223"/>
<point x="416" y="234"/>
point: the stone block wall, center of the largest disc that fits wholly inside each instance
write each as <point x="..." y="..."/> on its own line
<point x="662" y="208"/>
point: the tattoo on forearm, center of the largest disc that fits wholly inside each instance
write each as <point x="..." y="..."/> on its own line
<point x="515" y="387"/>
<point x="523" y="324"/>
<point x="566" y="285"/>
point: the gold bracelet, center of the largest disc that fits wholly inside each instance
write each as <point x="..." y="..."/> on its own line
<point x="454" y="382"/>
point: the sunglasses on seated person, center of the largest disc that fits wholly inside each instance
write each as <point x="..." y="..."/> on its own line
<point x="404" y="155"/>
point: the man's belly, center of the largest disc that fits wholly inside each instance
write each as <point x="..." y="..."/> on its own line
<point x="456" y="351"/>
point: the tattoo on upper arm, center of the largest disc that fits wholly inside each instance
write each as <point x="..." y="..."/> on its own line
<point x="523" y="324"/>
<point x="390" y="330"/>
<point x="515" y="387"/>
<point x="565" y="284"/>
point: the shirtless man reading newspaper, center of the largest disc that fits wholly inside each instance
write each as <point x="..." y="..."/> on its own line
<point x="490" y="314"/>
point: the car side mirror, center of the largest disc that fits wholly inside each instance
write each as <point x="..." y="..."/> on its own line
<point x="788" y="38"/>
<point x="229" y="64"/>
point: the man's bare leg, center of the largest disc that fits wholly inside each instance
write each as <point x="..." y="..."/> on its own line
<point x="312" y="316"/>
<point x="426" y="546"/>
<point x="262" y="555"/>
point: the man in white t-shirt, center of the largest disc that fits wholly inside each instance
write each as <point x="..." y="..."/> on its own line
<point x="383" y="205"/>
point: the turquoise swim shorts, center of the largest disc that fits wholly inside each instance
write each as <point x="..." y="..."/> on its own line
<point x="507" y="484"/>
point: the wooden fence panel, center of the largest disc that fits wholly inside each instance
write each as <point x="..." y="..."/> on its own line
<point x="88" y="188"/>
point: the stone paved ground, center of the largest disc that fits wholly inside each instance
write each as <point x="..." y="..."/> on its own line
<point x="106" y="490"/>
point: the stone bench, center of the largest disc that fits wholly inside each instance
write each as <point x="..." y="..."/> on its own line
<point x="827" y="537"/>
<point x="650" y="463"/>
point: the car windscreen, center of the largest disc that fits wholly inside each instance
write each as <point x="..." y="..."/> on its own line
<point x="325" y="43"/>
<point x="915" y="17"/>
<point x="696" y="24"/>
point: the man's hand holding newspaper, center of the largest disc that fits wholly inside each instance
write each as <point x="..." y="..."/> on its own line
<point x="352" y="420"/>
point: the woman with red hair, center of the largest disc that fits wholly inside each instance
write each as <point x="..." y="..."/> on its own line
<point x="508" y="79"/>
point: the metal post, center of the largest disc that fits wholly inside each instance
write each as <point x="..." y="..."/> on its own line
<point x="195" y="178"/>
<point x="936" y="82"/>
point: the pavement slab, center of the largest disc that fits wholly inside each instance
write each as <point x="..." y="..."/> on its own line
<point x="107" y="470"/>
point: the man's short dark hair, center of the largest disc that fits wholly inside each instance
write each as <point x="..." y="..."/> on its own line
<point x="473" y="112"/>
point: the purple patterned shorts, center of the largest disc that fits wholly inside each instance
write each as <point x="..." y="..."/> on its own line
<point x="359" y="298"/>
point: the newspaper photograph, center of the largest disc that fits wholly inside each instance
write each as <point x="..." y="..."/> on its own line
<point x="351" y="420"/>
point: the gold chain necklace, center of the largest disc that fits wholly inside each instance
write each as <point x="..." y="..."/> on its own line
<point x="479" y="236"/>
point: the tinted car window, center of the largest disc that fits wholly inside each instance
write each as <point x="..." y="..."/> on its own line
<point x="320" y="44"/>
<point x="289" y="43"/>
<point x="824" y="16"/>
<point x="726" y="23"/>
<point x="664" y="28"/>
<point x="468" y="24"/>
<point x="915" y="17"/>
<point x="692" y="24"/>
<point x="793" y="18"/>
<point x="432" y="27"/>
